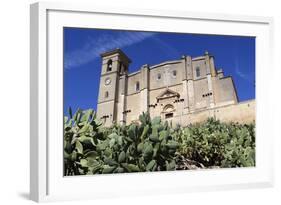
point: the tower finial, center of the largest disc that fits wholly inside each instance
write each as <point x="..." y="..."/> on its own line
<point x="206" y="53"/>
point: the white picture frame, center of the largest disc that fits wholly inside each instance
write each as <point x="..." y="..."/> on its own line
<point x="46" y="157"/>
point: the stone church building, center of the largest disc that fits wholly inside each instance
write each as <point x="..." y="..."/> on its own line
<point x="182" y="91"/>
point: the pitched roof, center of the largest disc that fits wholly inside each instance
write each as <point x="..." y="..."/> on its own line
<point x="117" y="50"/>
<point x="167" y="94"/>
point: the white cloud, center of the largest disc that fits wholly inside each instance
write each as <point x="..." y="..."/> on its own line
<point x="169" y="50"/>
<point x="95" y="47"/>
<point x="239" y="72"/>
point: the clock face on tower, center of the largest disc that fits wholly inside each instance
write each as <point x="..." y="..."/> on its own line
<point x="107" y="81"/>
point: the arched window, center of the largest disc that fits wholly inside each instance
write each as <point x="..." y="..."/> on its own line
<point x="158" y="76"/>
<point x="106" y="94"/>
<point x="169" y="111"/>
<point x="137" y="86"/>
<point x="109" y="65"/>
<point x="120" y="67"/>
<point x="197" y="72"/>
<point x="169" y="108"/>
<point x="125" y="68"/>
<point x="174" y="73"/>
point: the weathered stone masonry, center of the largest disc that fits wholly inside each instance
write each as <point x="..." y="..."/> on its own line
<point x="181" y="91"/>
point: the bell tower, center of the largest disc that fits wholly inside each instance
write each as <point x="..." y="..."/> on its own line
<point x="113" y="86"/>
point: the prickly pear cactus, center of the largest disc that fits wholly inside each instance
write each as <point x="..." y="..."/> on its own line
<point x="152" y="145"/>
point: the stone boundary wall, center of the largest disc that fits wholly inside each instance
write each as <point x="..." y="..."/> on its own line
<point x="243" y="113"/>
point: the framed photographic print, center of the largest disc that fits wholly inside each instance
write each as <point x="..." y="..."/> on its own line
<point x="127" y="102"/>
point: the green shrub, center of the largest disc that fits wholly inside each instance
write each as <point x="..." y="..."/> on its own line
<point x="218" y="144"/>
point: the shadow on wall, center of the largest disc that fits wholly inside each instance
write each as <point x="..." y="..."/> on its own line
<point x="24" y="195"/>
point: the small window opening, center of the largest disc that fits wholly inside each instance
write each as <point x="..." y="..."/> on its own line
<point x="137" y="86"/>
<point x="109" y="66"/>
<point x="106" y="94"/>
<point x="169" y="115"/>
<point x="197" y="72"/>
<point x="159" y="76"/>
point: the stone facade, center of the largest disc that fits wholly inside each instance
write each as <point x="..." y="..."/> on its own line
<point x="182" y="91"/>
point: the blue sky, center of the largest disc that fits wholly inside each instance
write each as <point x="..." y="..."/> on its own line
<point x="82" y="63"/>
